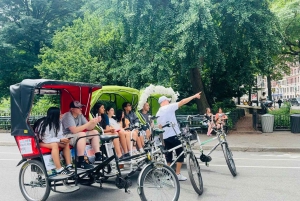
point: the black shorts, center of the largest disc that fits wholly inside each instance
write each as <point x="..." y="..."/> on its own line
<point x="170" y="143"/>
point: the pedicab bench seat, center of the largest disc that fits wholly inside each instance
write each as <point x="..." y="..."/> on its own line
<point x="30" y="142"/>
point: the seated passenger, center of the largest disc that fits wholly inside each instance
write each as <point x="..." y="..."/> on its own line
<point x="75" y="125"/>
<point x="122" y="134"/>
<point x="51" y="136"/>
<point x="220" y="118"/>
<point x="145" y="115"/>
<point x="133" y="120"/>
<point x="108" y="130"/>
<point x="123" y="124"/>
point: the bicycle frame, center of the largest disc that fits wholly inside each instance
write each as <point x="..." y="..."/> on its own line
<point x="220" y="136"/>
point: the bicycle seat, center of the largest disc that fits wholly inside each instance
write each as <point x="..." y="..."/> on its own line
<point x="108" y="138"/>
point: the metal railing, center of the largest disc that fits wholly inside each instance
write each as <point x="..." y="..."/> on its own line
<point x="5" y="123"/>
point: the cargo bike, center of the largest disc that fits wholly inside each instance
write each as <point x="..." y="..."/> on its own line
<point x="36" y="179"/>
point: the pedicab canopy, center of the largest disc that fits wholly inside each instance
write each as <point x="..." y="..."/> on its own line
<point x="116" y="95"/>
<point x="22" y="94"/>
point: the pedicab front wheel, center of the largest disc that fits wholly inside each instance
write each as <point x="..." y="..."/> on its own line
<point x="33" y="181"/>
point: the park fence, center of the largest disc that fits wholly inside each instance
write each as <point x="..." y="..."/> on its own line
<point x="5" y="123"/>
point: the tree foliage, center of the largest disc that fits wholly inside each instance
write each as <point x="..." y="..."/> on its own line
<point x="288" y="12"/>
<point x="26" y="26"/>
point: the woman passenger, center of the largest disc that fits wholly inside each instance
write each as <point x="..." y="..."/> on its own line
<point x="108" y="130"/>
<point x="122" y="133"/>
<point x="124" y="123"/>
<point x="51" y="135"/>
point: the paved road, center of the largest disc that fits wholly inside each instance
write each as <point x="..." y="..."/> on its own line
<point x="261" y="177"/>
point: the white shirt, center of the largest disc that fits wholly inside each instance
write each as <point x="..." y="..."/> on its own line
<point x="49" y="135"/>
<point x="167" y="114"/>
<point x="113" y="123"/>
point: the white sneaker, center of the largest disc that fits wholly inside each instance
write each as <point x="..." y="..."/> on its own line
<point x="181" y="177"/>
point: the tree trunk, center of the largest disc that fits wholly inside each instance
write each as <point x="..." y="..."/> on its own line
<point x="197" y="86"/>
<point x="269" y="87"/>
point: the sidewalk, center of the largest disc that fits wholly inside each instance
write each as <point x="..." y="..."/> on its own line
<point x="278" y="141"/>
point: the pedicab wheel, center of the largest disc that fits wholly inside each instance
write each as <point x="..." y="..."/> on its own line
<point x="33" y="181"/>
<point x="158" y="182"/>
<point x="194" y="173"/>
<point x="229" y="158"/>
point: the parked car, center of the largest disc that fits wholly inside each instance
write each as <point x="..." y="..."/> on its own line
<point x="295" y="101"/>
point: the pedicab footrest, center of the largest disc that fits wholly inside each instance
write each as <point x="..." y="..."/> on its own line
<point x="68" y="189"/>
<point x="107" y="138"/>
<point x="59" y="177"/>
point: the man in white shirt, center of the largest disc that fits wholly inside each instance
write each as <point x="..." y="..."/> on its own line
<point x="166" y="113"/>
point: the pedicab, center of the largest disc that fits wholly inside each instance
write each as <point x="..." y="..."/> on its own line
<point x="115" y="96"/>
<point x="36" y="178"/>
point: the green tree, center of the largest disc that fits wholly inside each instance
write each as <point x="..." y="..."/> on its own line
<point x="88" y="51"/>
<point x="26" y="26"/>
<point x="249" y="38"/>
<point x="288" y="12"/>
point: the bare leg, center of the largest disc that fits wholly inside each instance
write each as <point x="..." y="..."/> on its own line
<point x="95" y="140"/>
<point x="139" y="143"/>
<point x="81" y="144"/>
<point x="142" y="141"/>
<point x="122" y="136"/>
<point x="66" y="151"/>
<point x="148" y="134"/>
<point x="117" y="147"/>
<point x="116" y="143"/>
<point x="178" y="167"/>
<point x="54" y="153"/>
<point x="129" y="143"/>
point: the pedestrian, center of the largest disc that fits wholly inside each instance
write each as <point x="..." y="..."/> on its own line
<point x="166" y="113"/>
<point x="279" y="102"/>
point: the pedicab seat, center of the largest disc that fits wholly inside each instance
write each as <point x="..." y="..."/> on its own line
<point x="29" y="142"/>
<point x="107" y="138"/>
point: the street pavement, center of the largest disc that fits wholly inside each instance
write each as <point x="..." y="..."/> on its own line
<point x="261" y="176"/>
<point x="278" y="141"/>
<point x="267" y="164"/>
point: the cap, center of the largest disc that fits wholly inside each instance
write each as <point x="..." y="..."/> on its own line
<point x="76" y="104"/>
<point x="163" y="98"/>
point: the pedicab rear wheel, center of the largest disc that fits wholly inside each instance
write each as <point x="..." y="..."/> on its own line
<point x="33" y="181"/>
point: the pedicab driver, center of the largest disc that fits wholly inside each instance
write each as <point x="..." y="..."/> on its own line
<point x="166" y="113"/>
<point x="75" y="125"/>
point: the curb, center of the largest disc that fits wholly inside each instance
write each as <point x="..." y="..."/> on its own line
<point x="232" y="148"/>
<point x="255" y="149"/>
<point x="7" y="143"/>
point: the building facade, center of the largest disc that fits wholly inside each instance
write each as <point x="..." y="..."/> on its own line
<point x="289" y="86"/>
